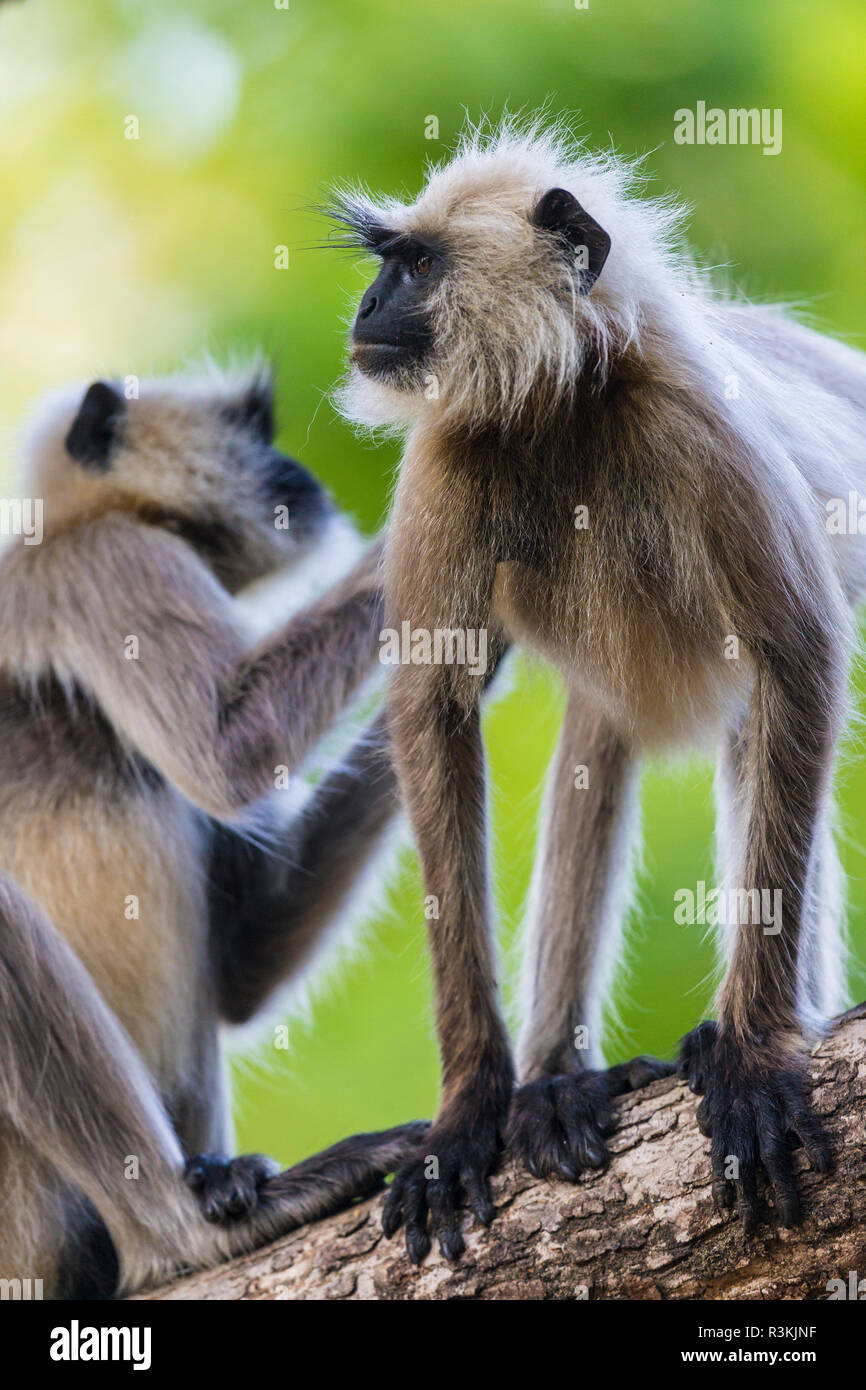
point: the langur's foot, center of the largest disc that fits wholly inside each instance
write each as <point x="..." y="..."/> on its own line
<point x="639" y="1072"/>
<point x="559" y="1124"/>
<point x="696" y="1056"/>
<point x="228" y="1188"/>
<point x="328" y="1182"/>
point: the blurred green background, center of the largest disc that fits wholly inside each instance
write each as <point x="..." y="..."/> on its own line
<point x="121" y="255"/>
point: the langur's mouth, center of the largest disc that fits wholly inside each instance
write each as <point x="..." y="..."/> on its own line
<point x="384" y="349"/>
<point x="381" y="359"/>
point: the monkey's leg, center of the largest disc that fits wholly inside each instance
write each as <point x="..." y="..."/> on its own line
<point x="35" y="1225"/>
<point x="248" y="1190"/>
<point x="272" y="902"/>
<point x="821" y="992"/>
<point x="581" y="883"/>
<point x="73" y="1088"/>
<point x="752" y="1065"/>
<point x="438" y="747"/>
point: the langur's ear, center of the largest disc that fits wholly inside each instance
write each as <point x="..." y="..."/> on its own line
<point x="97" y="427"/>
<point x="254" y="410"/>
<point x="559" y="213"/>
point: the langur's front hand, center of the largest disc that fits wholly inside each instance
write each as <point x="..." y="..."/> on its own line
<point x="452" y="1166"/>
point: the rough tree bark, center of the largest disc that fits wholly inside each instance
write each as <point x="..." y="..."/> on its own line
<point x="643" y="1229"/>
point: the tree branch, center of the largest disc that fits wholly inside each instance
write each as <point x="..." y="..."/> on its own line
<point x="643" y="1229"/>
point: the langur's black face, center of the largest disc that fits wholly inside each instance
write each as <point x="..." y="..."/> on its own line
<point x="205" y="467"/>
<point x="452" y="291"/>
<point x="282" y="483"/>
<point x="392" y="336"/>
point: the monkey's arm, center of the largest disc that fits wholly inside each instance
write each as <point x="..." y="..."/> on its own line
<point x="440" y="755"/>
<point x="440" y="573"/>
<point x="272" y="900"/>
<point x="216" y="720"/>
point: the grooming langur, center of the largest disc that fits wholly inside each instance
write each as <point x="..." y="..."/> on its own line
<point x="612" y="464"/>
<point x="140" y="903"/>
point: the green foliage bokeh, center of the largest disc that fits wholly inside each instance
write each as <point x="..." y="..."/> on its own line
<point x="121" y="255"/>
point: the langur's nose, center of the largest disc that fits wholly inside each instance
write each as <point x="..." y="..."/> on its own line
<point x="369" y="304"/>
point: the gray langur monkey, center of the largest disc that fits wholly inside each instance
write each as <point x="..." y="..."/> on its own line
<point x="139" y="739"/>
<point x="580" y="477"/>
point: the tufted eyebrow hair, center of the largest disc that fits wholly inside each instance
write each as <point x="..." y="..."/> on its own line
<point x="409" y="244"/>
<point x="362" y="228"/>
<point x="359" y="226"/>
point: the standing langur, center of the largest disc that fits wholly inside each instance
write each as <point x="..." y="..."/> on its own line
<point x="610" y="463"/>
<point x="141" y="902"/>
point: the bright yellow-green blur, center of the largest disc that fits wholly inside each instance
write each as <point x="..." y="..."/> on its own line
<point x="122" y="255"/>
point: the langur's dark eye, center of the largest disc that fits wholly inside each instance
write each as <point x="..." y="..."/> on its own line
<point x="421" y="264"/>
